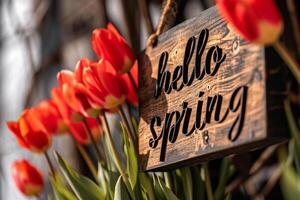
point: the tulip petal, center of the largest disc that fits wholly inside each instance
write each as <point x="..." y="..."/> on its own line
<point x="38" y="141"/>
<point x="83" y="63"/>
<point x="94" y="127"/>
<point x="246" y="22"/>
<point x="132" y="94"/>
<point x="112" y="84"/>
<point x="47" y="112"/>
<point x="110" y="45"/>
<point x="28" y="179"/>
<point x="79" y="132"/>
<point x="65" y="110"/>
<point x="15" y="129"/>
<point x="113" y="30"/>
<point x="258" y="21"/>
<point x="65" y="77"/>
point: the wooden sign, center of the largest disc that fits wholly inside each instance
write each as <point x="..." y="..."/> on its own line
<point x="202" y="95"/>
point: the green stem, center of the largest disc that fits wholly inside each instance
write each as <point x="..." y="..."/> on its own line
<point x="102" y="144"/>
<point x="50" y="164"/>
<point x="87" y="160"/>
<point x="116" y="156"/>
<point x="132" y="81"/>
<point x="187" y="182"/>
<point x="291" y="5"/>
<point x="129" y="111"/>
<point x="168" y="180"/>
<point x="131" y="134"/>
<point x="289" y="59"/>
<point x="294" y="131"/>
<point x="292" y="122"/>
<point x="97" y="151"/>
<point x="207" y="182"/>
<point x="147" y="184"/>
<point x="282" y="155"/>
<point x="219" y="193"/>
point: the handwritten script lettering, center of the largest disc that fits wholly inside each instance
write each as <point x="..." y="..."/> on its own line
<point x="211" y="105"/>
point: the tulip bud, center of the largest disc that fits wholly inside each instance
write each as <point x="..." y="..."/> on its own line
<point x="30" y="132"/>
<point x="258" y="21"/>
<point x="110" y="45"/>
<point x="106" y="88"/>
<point x="132" y="97"/>
<point x="47" y="112"/>
<point x="28" y="178"/>
<point x="79" y="131"/>
<point x="67" y="113"/>
<point x="75" y="94"/>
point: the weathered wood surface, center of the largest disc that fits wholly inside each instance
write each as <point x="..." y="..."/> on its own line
<point x="244" y="66"/>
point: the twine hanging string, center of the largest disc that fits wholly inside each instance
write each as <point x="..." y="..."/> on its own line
<point x="169" y="12"/>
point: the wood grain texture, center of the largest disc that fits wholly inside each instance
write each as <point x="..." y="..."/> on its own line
<point x="244" y="66"/>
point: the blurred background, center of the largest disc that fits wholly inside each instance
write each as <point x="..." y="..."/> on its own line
<point x="40" y="37"/>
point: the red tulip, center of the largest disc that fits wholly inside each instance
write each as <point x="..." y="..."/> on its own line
<point x="65" y="110"/>
<point x="110" y="45"/>
<point x="75" y="94"/>
<point x="30" y="132"/>
<point x="78" y="130"/>
<point x="105" y="87"/>
<point x="47" y="112"/>
<point x="28" y="179"/>
<point x="257" y="20"/>
<point x="74" y="120"/>
<point x="132" y="97"/>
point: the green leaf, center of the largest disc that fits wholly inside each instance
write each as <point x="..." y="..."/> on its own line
<point x="290" y="184"/>
<point x="147" y="186"/>
<point x="131" y="163"/>
<point x="131" y="159"/>
<point x="102" y="175"/>
<point x="106" y="151"/>
<point x="295" y="132"/>
<point x="159" y="194"/>
<point x="113" y="178"/>
<point x="84" y="188"/>
<point x="187" y="182"/>
<point x="219" y="194"/>
<point x="198" y="184"/>
<point x="135" y="125"/>
<point x="228" y="196"/>
<point x="121" y="191"/>
<point x="168" y="179"/>
<point x="177" y="183"/>
<point x="166" y="191"/>
<point x="60" y="191"/>
<point x="208" y="187"/>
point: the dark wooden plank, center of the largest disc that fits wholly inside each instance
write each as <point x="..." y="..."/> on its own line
<point x="239" y="79"/>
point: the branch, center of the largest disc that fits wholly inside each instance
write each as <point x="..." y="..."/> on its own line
<point x="144" y="8"/>
<point x="166" y="15"/>
<point x="295" y="23"/>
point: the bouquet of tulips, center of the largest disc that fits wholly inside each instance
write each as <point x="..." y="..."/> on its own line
<point x="79" y="107"/>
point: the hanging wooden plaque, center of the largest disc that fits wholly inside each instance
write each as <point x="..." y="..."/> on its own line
<point x="203" y="94"/>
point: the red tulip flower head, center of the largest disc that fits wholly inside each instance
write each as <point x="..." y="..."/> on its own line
<point x="30" y="132"/>
<point x="67" y="113"/>
<point x="106" y="88"/>
<point x="110" y="45"/>
<point x="132" y="96"/>
<point x="75" y="94"/>
<point x="28" y="178"/>
<point x="79" y="130"/>
<point x="257" y="20"/>
<point x="47" y="112"/>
